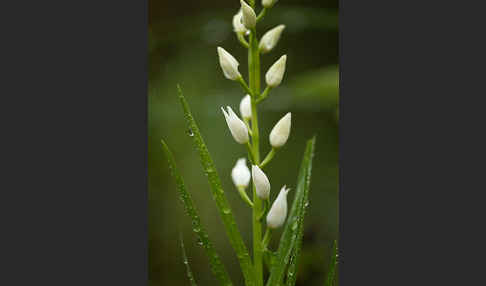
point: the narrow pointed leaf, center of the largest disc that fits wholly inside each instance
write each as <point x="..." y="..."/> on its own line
<point x="331" y="274"/>
<point x="294" y="227"/>
<point x="295" y="254"/>
<point x="216" y="265"/>
<point x="186" y="262"/>
<point x="219" y="196"/>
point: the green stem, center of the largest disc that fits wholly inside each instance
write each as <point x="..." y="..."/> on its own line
<point x="262" y="14"/>
<point x="250" y="152"/>
<point x="266" y="238"/>
<point x="244" y="196"/>
<point x="265" y="209"/>
<point x="247" y="123"/>
<point x="254" y="78"/>
<point x="245" y="86"/>
<point x="268" y="158"/>
<point x="264" y="94"/>
<point x="242" y="40"/>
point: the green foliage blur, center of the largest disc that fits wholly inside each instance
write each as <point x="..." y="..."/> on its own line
<point x="183" y="36"/>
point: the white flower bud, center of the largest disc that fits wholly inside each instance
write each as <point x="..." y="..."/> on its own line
<point x="245" y="107"/>
<point x="229" y="64"/>
<point x="238" y="26"/>
<point x="280" y="132"/>
<point x="240" y="173"/>
<point x="277" y="214"/>
<point x="268" y="3"/>
<point x="236" y="126"/>
<point x="260" y="180"/>
<point x="270" y="39"/>
<point x="249" y="16"/>
<point x="275" y="73"/>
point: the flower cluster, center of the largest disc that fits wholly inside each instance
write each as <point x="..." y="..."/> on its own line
<point x="244" y="23"/>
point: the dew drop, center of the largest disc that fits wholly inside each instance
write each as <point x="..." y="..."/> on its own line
<point x="189" y="132"/>
<point x="199" y="241"/>
<point x="197" y="229"/>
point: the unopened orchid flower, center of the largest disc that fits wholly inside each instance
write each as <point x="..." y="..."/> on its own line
<point x="281" y="131"/>
<point x="241" y="174"/>
<point x="260" y="180"/>
<point x="228" y="64"/>
<point x="236" y="126"/>
<point x="278" y="212"/>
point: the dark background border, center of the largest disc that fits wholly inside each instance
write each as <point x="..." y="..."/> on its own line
<point x="74" y="117"/>
<point x="74" y="123"/>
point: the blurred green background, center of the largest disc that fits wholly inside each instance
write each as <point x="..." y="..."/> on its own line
<point x="183" y="36"/>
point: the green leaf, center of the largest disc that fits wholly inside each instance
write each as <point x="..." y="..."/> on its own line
<point x="293" y="230"/>
<point x="219" y="196"/>
<point x="186" y="262"/>
<point x="331" y="274"/>
<point x="292" y="268"/>
<point x="303" y="183"/>
<point x="217" y="266"/>
<point x="294" y="258"/>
